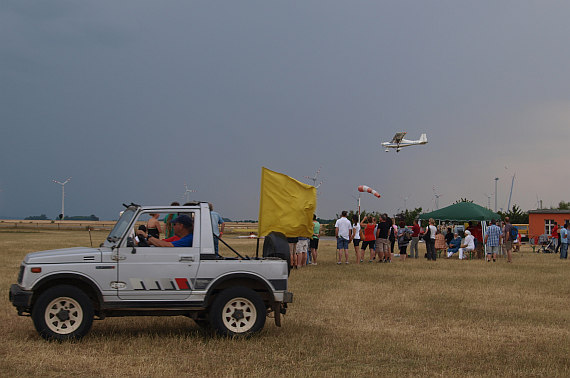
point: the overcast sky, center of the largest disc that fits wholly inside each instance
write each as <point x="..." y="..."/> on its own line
<point x="134" y="99"/>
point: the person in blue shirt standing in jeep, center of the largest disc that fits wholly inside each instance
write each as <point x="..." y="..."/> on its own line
<point x="183" y="228"/>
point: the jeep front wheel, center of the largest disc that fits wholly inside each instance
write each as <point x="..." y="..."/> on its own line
<point x="237" y="311"/>
<point x="63" y="312"/>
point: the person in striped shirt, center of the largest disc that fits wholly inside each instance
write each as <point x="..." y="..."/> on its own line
<point x="493" y="238"/>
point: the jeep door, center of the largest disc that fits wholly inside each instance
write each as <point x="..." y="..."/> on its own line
<point x="159" y="273"/>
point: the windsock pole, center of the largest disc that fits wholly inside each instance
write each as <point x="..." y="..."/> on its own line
<point x="359" y="209"/>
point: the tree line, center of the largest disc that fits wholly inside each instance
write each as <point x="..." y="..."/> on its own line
<point x="77" y="217"/>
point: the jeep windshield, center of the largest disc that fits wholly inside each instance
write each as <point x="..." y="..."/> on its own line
<point x="121" y="226"/>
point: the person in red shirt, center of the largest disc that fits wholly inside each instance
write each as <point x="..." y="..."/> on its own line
<point x="369" y="236"/>
<point x="477" y="232"/>
<point x="416" y="229"/>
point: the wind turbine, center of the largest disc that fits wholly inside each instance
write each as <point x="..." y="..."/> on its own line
<point x="406" y="198"/>
<point x="436" y="198"/>
<point x="186" y="195"/>
<point x="511" y="193"/>
<point x="62" y="195"/>
<point x="314" y="178"/>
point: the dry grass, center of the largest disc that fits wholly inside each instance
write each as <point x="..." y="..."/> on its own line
<point x="448" y="318"/>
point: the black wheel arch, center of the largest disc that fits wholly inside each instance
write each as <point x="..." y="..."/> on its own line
<point x="250" y="281"/>
<point x="87" y="285"/>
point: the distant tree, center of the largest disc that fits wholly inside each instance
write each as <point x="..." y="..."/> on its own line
<point x="37" y="217"/>
<point x="408" y="216"/>
<point x="463" y="200"/>
<point x="563" y="205"/>
<point x="516" y="215"/>
<point x="91" y="217"/>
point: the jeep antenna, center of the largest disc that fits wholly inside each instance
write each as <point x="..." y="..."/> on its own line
<point x="62" y="215"/>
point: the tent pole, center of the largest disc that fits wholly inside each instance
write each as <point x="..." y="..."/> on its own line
<point x="484" y="229"/>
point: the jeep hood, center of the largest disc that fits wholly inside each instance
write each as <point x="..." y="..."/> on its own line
<point x="66" y="255"/>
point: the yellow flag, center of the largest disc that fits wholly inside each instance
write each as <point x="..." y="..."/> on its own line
<point x="285" y="205"/>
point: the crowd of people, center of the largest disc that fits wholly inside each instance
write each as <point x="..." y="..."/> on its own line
<point x="380" y="236"/>
<point x="559" y="237"/>
<point x="304" y="251"/>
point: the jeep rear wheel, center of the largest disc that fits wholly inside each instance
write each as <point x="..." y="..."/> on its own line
<point x="237" y="311"/>
<point x="63" y="312"/>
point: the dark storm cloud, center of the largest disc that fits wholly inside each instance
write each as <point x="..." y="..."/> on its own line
<point x="136" y="98"/>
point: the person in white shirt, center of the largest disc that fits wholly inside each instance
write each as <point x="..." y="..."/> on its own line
<point x="430" y="243"/>
<point x="343" y="233"/>
<point x="467" y="246"/>
<point x="356" y="239"/>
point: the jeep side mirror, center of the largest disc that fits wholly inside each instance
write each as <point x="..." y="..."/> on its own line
<point x="130" y="242"/>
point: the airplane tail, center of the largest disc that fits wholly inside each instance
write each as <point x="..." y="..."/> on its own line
<point x="423" y="138"/>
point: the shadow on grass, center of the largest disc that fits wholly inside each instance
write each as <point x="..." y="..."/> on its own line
<point x="134" y="327"/>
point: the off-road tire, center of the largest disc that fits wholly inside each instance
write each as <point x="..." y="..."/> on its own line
<point x="63" y="312"/>
<point x="237" y="311"/>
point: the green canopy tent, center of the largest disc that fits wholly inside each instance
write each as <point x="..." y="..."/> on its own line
<point x="462" y="212"/>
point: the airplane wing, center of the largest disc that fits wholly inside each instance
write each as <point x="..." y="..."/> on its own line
<point x="398" y="137"/>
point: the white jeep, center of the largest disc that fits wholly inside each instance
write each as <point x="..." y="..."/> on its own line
<point x="64" y="290"/>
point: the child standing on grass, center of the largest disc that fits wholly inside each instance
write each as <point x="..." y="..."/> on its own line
<point x="440" y="244"/>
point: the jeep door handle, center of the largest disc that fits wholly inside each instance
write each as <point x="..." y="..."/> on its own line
<point x="186" y="258"/>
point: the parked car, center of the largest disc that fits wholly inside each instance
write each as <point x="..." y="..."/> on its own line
<point x="64" y="290"/>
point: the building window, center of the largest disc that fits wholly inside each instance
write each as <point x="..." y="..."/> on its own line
<point x="548" y="226"/>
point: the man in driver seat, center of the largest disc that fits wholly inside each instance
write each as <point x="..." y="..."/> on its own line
<point x="183" y="228"/>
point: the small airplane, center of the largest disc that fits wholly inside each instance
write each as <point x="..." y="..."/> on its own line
<point x="398" y="142"/>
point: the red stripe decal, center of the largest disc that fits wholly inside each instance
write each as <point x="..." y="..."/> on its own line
<point x="182" y="283"/>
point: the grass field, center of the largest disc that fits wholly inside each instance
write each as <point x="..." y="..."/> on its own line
<point x="412" y="318"/>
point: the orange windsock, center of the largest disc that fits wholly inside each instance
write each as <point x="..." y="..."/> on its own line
<point x="364" y="188"/>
